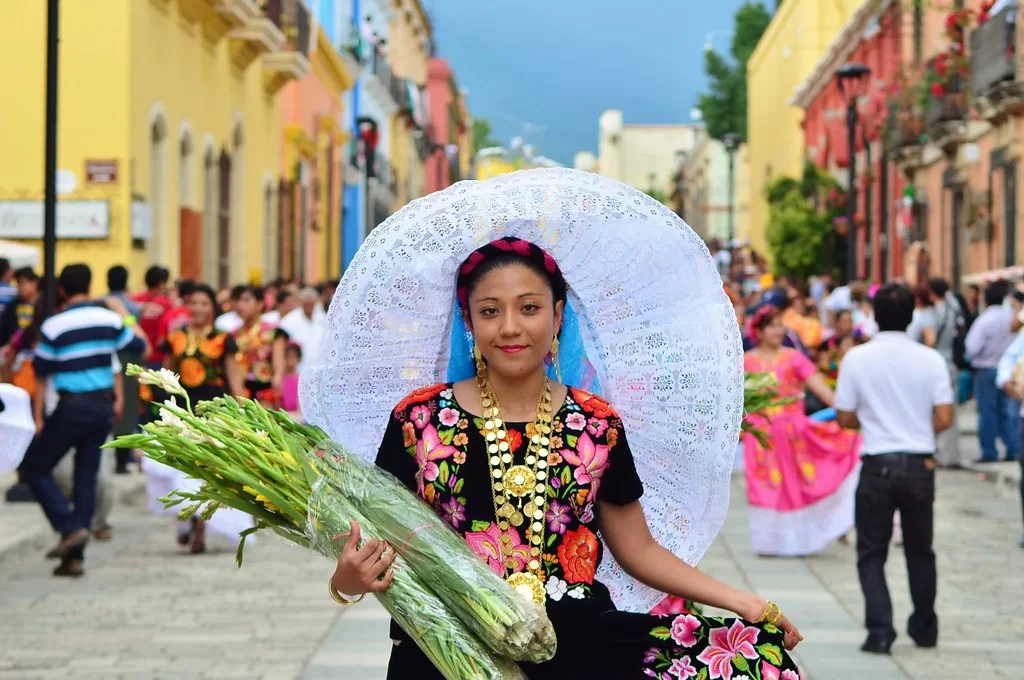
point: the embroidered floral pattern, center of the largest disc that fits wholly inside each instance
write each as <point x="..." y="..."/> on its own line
<point x="447" y="466"/>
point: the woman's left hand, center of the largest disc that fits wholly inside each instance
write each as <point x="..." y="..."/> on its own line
<point x="792" y="635"/>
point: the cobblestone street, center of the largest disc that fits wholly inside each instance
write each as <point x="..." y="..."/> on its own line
<point x="144" y="610"/>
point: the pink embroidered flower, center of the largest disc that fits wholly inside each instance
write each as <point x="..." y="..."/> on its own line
<point x="589" y="461"/>
<point x="486" y="545"/>
<point x="683" y="629"/>
<point x="420" y="415"/>
<point x="459" y="458"/>
<point x="463" y="424"/>
<point x="651" y="654"/>
<point x="429" y="449"/>
<point x="768" y="671"/>
<point x="576" y="421"/>
<point x="597" y="426"/>
<point x="724" y="644"/>
<point x="461" y="439"/>
<point x="682" y="668"/>
<point x="449" y="417"/>
<point x="790" y="675"/>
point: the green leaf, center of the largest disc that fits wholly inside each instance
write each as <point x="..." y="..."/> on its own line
<point x="479" y="525"/>
<point x="661" y="632"/>
<point x="703" y="674"/>
<point x="447" y="436"/>
<point x="443" y="472"/>
<point x="479" y="423"/>
<point x="566" y="475"/>
<point x="740" y="663"/>
<point x="458" y="485"/>
<point x="771" y="653"/>
<point x="571" y="440"/>
<point x="551" y="540"/>
<point x="241" y="543"/>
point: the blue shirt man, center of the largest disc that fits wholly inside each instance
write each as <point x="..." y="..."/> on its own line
<point x="76" y="351"/>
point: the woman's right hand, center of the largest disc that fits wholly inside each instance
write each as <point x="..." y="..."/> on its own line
<point x="365" y="569"/>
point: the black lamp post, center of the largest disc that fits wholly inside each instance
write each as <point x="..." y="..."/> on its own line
<point x="732" y="143"/>
<point x="852" y="80"/>
<point x="681" y="184"/>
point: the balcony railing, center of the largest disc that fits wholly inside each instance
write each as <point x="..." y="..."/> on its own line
<point x="949" y="107"/>
<point x="292" y="17"/>
<point x="993" y="53"/>
<point x="906" y="131"/>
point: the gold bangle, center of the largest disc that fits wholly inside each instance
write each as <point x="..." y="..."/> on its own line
<point x="771" y="614"/>
<point x="336" y="596"/>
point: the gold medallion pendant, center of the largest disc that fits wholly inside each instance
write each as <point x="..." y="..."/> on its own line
<point x="520" y="480"/>
<point x="528" y="585"/>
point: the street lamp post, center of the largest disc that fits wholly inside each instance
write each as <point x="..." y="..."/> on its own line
<point x="732" y="143"/>
<point x="681" y="184"/>
<point x="852" y="80"/>
<point x="20" y="491"/>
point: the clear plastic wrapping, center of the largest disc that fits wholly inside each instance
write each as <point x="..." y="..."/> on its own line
<point x="504" y="620"/>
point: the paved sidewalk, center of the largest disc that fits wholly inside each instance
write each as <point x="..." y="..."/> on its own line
<point x="22" y="523"/>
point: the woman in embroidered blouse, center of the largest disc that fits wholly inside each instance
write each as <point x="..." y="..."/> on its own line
<point x="205" y="360"/>
<point x="512" y="424"/>
<point x="261" y="349"/>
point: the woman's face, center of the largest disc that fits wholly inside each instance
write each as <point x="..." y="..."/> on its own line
<point x="773" y="334"/>
<point x="514" y="319"/>
<point x="844" y="323"/>
<point x="248" y="307"/>
<point x="200" y="306"/>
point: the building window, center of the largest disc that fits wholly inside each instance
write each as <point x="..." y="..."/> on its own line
<point x="209" y="216"/>
<point x="157" y="188"/>
<point x="918" y="32"/>
<point x="1010" y="212"/>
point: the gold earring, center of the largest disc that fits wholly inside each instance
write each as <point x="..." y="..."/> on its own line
<point x="554" y="358"/>
<point x="481" y="367"/>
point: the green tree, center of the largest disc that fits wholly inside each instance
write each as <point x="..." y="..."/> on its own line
<point x="724" y="108"/>
<point x="482" y="135"/>
<point x="800" y="232"/>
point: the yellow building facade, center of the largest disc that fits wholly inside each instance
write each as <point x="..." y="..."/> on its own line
<point x="798" y="36"/>
<point x="168" y="135"/>
<point x="409" y="35"/>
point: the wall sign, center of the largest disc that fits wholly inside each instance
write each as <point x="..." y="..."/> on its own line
<point x="142" y="221"/>
<point x="101" y="172"/>
<point x="75" y="219"/>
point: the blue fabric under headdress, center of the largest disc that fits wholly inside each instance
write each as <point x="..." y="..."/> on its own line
<point x="576" y="369"/>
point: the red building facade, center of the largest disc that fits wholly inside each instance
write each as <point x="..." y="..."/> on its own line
<point x="874" y="39"/>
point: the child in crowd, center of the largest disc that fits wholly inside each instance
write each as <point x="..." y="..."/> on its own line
<point x="290" y="382"/>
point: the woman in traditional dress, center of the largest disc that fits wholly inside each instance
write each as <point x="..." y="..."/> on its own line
<point x="801" y="490"/>
<point x="532" y="472"/>
<point x="205" y="360"/>
<point x="261" y="347"/>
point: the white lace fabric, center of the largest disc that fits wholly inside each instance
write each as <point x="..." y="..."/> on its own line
<point x="656" y="324"/>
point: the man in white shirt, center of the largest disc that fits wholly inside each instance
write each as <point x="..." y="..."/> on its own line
<point x="899" y="394"/>
<point x="1011" y="381"/>
<point x="305" y="326"/>
<point x="286" y="302"/>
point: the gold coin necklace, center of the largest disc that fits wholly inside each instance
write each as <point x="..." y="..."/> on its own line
<point x="520" y="491"/>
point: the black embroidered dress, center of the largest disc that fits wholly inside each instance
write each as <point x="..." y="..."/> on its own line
<point x="434" y="446"/>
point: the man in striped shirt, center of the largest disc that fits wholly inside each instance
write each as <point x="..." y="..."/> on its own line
<point x="76" y="350"/>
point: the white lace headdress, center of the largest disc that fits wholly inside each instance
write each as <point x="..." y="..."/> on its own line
<point x="655" y="321"/>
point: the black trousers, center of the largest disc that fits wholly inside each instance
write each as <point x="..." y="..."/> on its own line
<point x="891" y="482"/>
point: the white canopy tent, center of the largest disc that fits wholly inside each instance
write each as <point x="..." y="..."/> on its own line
<point x="20" y="255"/>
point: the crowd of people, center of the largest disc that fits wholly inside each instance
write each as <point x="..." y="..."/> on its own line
<point x="873" y="374"/>
<point x="244" y="341"/>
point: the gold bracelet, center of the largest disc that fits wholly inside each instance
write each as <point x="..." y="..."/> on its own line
<point x="771" y="614"/>
<point x="336" y="596"/>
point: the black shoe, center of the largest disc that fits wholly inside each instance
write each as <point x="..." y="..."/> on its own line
<point x="68" y="544"/>
<point x="70" y="568"/>
<point x="878" y="644"/>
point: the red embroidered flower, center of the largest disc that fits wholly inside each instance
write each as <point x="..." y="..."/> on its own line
<point x="593" y="404"/>
<point x="578" y="555"/>
<point x="515" y="440"/>
<point x="419" y="396"/>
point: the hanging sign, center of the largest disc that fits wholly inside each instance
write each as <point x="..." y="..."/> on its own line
<point x="101" y="172"/>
